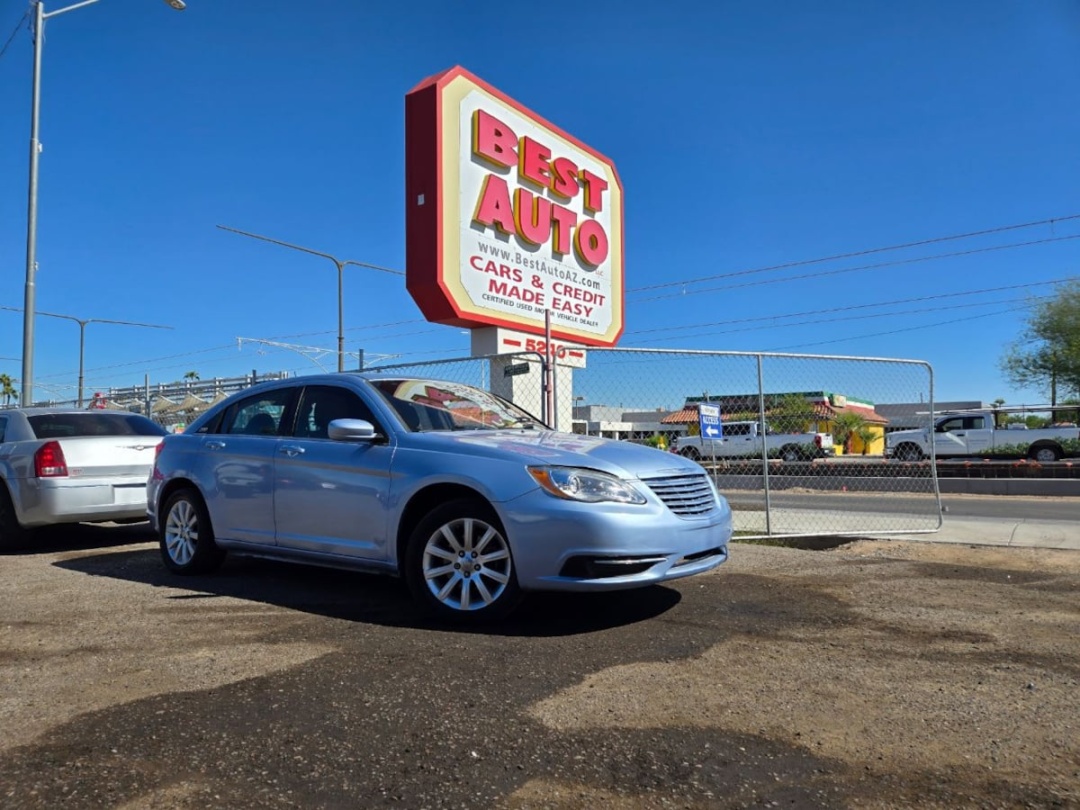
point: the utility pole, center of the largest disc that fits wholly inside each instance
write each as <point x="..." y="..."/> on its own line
<point x="30" y="291"/>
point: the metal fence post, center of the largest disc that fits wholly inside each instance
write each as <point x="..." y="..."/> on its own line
<point x="764" y="446"/>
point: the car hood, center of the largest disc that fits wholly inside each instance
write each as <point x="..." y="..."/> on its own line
<point x="533" y="447"/>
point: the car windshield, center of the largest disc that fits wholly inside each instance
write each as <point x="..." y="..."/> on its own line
<point x="65" y="425"/>
<point x="439" y="405"/>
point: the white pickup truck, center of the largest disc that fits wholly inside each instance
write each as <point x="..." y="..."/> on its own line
<point x="973" y="433"/>
<point x="743" y="440"/>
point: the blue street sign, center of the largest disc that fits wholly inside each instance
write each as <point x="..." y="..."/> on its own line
<point x="709" y="421"/>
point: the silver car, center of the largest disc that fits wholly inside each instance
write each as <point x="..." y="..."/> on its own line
<point x="466" y="496"/>
<point x="72" y="466"/>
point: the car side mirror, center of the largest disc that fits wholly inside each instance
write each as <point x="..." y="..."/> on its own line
<point x="351" y="430"/>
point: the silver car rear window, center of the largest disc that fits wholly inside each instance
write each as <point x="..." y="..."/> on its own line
<point x="65" y="425"/>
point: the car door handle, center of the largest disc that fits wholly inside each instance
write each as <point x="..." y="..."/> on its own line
<point x="214" y="445"/>
<point x="959" y="434"/>
<point x="291" y="450"/>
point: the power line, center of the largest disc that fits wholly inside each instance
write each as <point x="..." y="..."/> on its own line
<point x="921" y="311"/>
<point x="150" y="365"/>
<point x="10" y="39"/>
<point x="851" y="307"/>
<point x="855" y="254"/>
<point x="897" y="331"/>
<point x="877" y="266"/>
<point x="230" y="346"/>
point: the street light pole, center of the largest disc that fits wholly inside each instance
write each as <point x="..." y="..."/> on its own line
<point x="340" y="264"/>
<point x="29" y="295"/>
<point x="82" y="322"/>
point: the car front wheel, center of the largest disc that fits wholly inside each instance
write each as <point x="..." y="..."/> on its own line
<point x="458" y="563"/>
<point x="185" y="535"/>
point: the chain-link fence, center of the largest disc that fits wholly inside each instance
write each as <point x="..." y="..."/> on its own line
<point x="795" y="442"/>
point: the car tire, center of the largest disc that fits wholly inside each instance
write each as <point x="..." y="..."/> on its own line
<point x="791" y="453"/>
<point x="13" y="535"/>
<point x="185" y="535"/>
<point x="459" y="566"/>
<point x="909" y="452"/>
<point x="690" y="453"/>
<point x="1045" y="454"/>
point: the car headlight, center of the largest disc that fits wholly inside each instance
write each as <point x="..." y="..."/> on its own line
<point x="589" y="486"/>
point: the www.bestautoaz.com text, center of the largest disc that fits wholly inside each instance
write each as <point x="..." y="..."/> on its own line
<point x="517" y="280"/>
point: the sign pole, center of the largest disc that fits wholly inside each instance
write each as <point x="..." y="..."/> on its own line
<point x="549" y="387"/>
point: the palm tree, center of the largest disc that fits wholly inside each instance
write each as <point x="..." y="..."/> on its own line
<point x="191" y="376"/>
<point x="866" y="434"/>
<point x="845" y="426"/>
<point x="7" y="389"/>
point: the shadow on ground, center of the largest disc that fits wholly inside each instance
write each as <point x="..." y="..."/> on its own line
<point x="371" y="598"/>
<point x="80" y="536"/>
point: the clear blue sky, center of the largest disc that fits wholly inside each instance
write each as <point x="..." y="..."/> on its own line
<point x="746" y="135"/>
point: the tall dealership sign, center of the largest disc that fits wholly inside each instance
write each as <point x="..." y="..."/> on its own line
<point x="508" y="219"/>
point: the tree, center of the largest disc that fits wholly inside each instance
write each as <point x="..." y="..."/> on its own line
<point x="866" y="434"/>
<point x="191" y="376"/>
<point x="791" y="413"/>
<point x="846" y="425"/>
<point x="1047" y="354"/>
<point x="7" y="389"/>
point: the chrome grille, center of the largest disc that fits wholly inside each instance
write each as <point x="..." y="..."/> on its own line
<point x="685" y="495"/>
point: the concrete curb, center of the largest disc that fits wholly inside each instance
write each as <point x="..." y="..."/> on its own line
<point x="1010" y="533"/>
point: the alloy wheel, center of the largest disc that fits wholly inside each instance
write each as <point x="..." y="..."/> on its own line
<point x="466" y="564"/>
<point x="182" y="532"/>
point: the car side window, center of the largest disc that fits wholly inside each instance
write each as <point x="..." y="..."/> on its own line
<point x="950" y="424"/>
<point x="323" y="403"/>
<point x="258" y="415"/>
<point x="974" y="423"/>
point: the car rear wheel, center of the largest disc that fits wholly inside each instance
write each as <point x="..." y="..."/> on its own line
<point x="13" y="535"/>
<point x="690" y="453"/>
<point x="1045" y="454"/>
<point x="791" y="453"/>
<point x="186" y="536"/>
<point x="458" y="563"/>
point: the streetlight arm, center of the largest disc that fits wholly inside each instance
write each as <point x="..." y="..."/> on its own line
<point x="340" y="265"/>
<point x="334" y="259"/>
<point x="372" y="267"/>
<point x="66" y="9"/>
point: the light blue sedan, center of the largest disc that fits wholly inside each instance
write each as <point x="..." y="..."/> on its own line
<point x="467" y="497"/>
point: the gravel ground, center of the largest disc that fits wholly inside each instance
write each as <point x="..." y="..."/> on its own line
<point x="875" y="674"/>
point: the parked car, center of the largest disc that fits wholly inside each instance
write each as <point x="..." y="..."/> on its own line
<point x="72" y="466"/>
<point x="467" y="497"/>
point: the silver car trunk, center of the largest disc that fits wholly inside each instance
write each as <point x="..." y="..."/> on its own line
<point x="109" y="456"/>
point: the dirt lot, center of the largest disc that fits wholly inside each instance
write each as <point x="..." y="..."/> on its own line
<point x="876" y="674"/>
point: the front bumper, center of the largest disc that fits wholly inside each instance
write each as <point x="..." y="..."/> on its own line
<point x="571" y="546"/>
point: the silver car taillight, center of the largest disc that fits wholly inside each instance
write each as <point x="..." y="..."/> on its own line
<point x="49" y="461"/>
